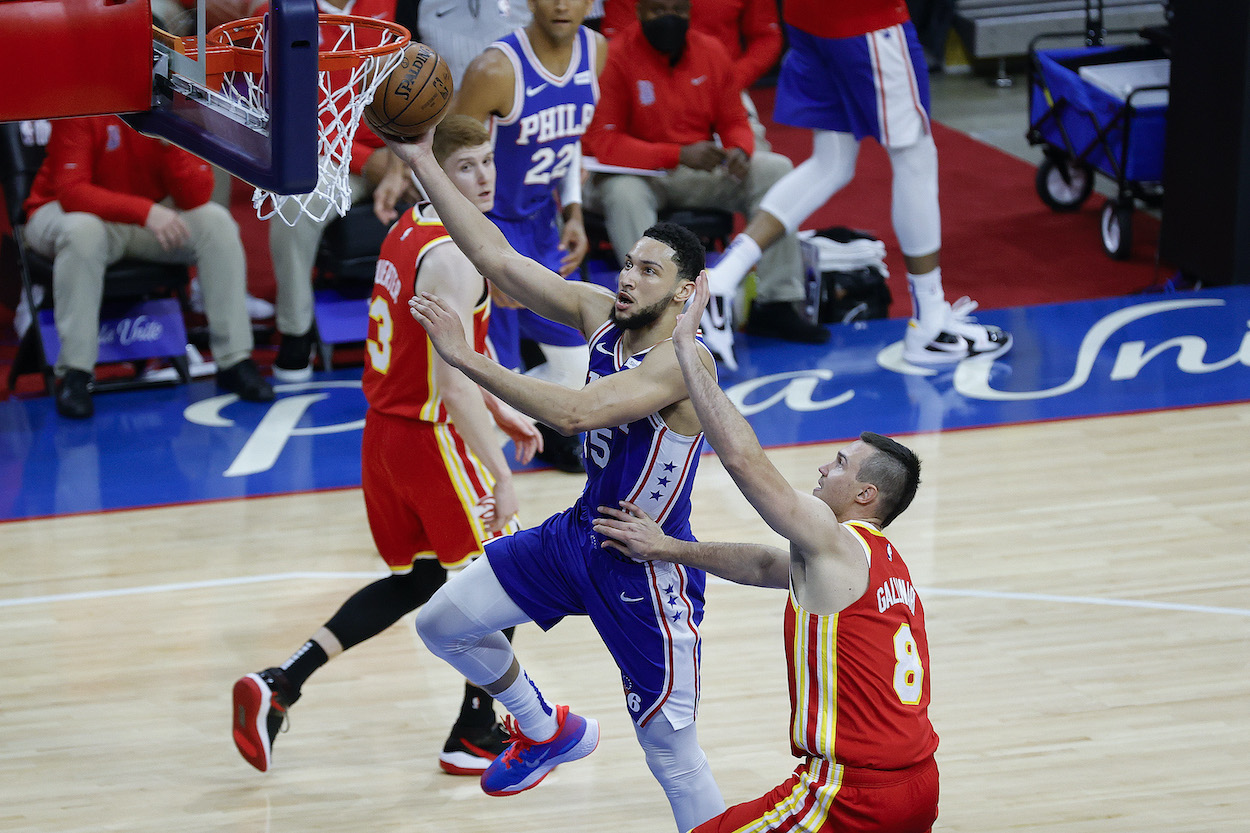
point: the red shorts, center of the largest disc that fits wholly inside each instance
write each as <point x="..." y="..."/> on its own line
<point x="425" y="492"/>
<point x="824" y="798"/>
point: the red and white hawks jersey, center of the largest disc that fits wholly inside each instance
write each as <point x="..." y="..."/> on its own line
<point x="399" y="359"/>
<point x="859" y="679"/>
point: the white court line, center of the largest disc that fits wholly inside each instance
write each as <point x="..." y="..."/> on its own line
<point x="182" y="585"/>
<point x="1084" y="600"/>
<point x="924" y="591"/>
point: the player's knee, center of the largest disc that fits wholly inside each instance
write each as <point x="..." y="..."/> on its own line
<point x="432" y="625"/>
<point x="443" y="627"/>
<point x="917" y="161"/>
<point x="673" y="756"/>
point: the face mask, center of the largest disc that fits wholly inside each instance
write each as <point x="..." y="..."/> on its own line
<point x="667" y="33"/>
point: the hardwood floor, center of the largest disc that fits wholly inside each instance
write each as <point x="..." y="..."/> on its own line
<point x="1087" y="585"/>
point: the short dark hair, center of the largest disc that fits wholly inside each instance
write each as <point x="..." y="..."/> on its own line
<point x="458" y="132"/>
<point x="894" y="469"/>
<point x="687" y="250"/>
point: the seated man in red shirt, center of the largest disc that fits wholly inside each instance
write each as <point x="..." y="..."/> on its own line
<point x="749" y="29"/>
<point x="98" y="198"/>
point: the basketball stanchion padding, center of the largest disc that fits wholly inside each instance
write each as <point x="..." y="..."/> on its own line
<point x="62" y="59"/>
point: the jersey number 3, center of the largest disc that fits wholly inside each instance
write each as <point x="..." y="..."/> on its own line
<point x="379" y="349"/>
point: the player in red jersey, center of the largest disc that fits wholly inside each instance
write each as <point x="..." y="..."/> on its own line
<point x="436" y="483"/>
<point x="856" y="647"/>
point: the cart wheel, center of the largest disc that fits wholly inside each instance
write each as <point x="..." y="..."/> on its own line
<point x="1064" y="185"/>
<point x="1117" y="229"/>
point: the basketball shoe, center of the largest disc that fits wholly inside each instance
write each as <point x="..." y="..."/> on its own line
<point x="260" y="707"/>
<point x="954" y="339"/>
<point x="717" y="325"/>
<point x="526" y="762"/>
<point x="469" y="750"/>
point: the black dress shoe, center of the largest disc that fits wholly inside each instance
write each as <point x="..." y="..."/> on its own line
<point x="245" y="380"/>
<point x="560" y="452"/>
<point x="780" y="319"/>
<point x="73" y="395"/>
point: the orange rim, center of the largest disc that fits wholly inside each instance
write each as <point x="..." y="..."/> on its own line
<point x="251" y="59"/>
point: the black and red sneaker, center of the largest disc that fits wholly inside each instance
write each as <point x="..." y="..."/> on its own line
<point x="469" y="751"/>
<point x="260" y="703"/>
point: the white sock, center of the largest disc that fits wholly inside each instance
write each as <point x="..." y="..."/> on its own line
<point x="525" y="703"/>
<point x="927" y="297"/>
<point x="726" y="276"/>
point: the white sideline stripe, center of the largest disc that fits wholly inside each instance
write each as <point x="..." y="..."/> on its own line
<point x="1085" y="600"/>
<point x="182" y="585"/>
<point x="1078" y="600"/>
<point x="925" y="591"/>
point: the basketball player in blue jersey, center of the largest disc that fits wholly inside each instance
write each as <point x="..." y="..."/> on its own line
<point x="536" y="90"/>
<point x="643" y="442"/>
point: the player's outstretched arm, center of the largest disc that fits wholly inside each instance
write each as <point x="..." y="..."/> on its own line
<point x="447" y="271"/>
<point x="619" y="398"/>
<point x="584" y="306"/>
<point x="631" y="531"/>
<point x="802" y="519"/>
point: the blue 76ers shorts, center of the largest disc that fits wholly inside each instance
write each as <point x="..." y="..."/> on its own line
<point x="868" y="85"/>
<point x="647" y="614"/>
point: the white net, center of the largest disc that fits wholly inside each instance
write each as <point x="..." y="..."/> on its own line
<point x="345" y="88"/>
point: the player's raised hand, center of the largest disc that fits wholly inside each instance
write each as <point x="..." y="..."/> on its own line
<point x="688" y="320"/>
<point x="412" y="150"/>
<point x="443" y="325"/>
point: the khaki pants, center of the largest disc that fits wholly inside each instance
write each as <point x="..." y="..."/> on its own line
<point x="294" y="249"/>
<point x="631" y="204"/>
<point x="81" y="246"/>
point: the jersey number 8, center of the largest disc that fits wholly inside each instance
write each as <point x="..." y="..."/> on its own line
<point x="908" y="672"/>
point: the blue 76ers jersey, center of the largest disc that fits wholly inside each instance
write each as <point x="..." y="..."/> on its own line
<point x="537" y="143"/>
<point x="644" y="462"/>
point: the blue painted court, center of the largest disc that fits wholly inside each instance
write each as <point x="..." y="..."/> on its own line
<point x="188" y="443"/>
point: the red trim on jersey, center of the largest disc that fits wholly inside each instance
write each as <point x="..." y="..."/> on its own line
<point x="911" y="74"/>
<point x="881" y="103"/>
<point x="670" y="657"/>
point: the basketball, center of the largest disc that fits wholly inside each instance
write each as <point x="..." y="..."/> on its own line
<point x="413" y="98"/>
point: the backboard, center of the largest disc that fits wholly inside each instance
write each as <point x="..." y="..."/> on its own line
<point x="270" y="143"/>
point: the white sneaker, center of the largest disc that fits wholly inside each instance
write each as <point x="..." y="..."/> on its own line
<point x="718" y="329"/>
<point x="258" y="309"/>
<point x="954" y="339"/>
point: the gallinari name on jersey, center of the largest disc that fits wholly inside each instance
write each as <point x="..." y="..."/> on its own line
<point x="896" y="591"/>
<point x="555" y="122"/>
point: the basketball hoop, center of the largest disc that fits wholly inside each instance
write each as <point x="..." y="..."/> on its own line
<point x="355" y="55"/>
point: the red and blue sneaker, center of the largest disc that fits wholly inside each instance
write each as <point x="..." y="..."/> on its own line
<point x="526" y="762"/>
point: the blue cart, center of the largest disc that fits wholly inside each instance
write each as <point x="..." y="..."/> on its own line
<point x="1091" y="117"/>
